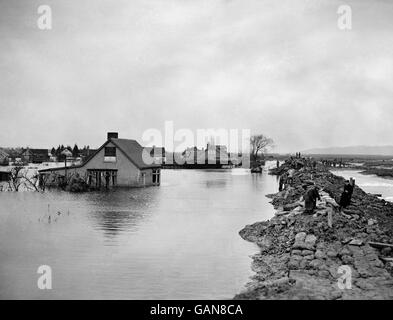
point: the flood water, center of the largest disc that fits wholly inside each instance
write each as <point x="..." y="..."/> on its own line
<point x="176" y="241"/>
<point x="369" y="183"/>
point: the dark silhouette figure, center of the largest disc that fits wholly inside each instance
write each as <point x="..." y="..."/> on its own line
<point x="346" y="196"/>
<point x="310" y="199"/>
<point x="281" y="183"/>
<point x="107" y="179"/>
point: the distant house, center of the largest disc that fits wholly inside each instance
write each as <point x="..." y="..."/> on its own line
<point x="213" y="155"/>
<point x="217" y="154"/>
<point x="193" y="155"/>
<point x="4" y="158"/>
<point x="35" y="155"/>
<point x="157" y="153"/>
<point x="118" y="162"/>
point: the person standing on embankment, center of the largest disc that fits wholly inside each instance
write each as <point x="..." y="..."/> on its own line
<point x="346" y="196"/>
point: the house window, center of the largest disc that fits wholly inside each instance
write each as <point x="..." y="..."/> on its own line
<point x="110" y="154"/>
<point x="156" y="176"/>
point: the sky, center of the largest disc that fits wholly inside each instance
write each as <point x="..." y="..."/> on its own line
<point x="280" y="68"/>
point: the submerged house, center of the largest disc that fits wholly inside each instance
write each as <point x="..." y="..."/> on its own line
<point x="118" y="162"/>
<point x="5" y="174"/>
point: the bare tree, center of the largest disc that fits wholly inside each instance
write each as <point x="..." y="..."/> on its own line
<point x="260" y="143"/>
<point x="16" y="178"/>
<point x="20" y="176"/>
<point x="32" y="182"/>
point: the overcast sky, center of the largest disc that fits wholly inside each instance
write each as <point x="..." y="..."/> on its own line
<point x="282" y="68"/>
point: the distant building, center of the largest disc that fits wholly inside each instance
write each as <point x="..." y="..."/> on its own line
<point x="35" y="155"/>
<point x="194" y="155"/>
<point x="4" y="158"/>
<point x="87" y="153"/>
<point x="213" y="155"/>
<point x="157" y="153"/>
<point x="118" y="162"/>
<point x="217" y="154"/>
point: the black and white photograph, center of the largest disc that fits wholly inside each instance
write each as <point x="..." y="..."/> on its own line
<point x="196" y="150"/>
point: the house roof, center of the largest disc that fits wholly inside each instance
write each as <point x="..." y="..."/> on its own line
<point x="159" y="151"/>
<point x="131" y="149"/>
<point x="42" y="152"/>
<point x="3" y="154"/>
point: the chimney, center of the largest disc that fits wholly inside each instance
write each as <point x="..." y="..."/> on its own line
<point x="113" y="135"/>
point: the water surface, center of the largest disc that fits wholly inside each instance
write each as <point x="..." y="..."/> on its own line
<point x="369" y="183"/>
<point x="176" y="241"/>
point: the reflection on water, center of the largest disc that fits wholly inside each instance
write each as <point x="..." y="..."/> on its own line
<point x="118" y="211"/>
<point x="179" y="240"/>
<point x="369" y="183"/>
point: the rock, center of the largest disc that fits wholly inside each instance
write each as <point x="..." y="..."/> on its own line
<point x="293" y="264"/>
<point x="386" y="251"/>
<point x="316" y="263"/>
<point x="370" y="230"/>
<point x="297" y="252"/>
<point x="311" y="239"/>
<point x="346" y="259"/>
<point x="377" y="263"/>
<point x="265" y="244"/>
<point x="303" y="246"/>
<point x="296" y="257"/>
<point x="291" y="206"/>
<point x="319" y="254"/>
<point x="307" y="252"/>
<point x="331" y="254"/>
<point x="371" y="222"/>
<point x="309" y="257"/>
<point x="355" y="217"/>
<point x="345" y="251"/>
<point x="356" y="242"/>
<point x="346" y="240"/>
<point x="324" y="273"/>
<point x="300" y="237"/>
<point x="303" y="264"/>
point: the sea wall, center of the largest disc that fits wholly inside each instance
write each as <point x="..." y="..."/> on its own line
<point x="302" y="257"/>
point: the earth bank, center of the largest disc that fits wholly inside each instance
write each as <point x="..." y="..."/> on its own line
<point x="302" y="257"/>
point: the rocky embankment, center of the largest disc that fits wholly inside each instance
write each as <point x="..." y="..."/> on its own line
<point x="302" y="257"/>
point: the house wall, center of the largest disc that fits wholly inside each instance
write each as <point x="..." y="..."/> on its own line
<point x="128" y="174"/>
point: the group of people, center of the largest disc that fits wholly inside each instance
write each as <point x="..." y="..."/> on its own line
<point x="334" y="163"/>
<point x="300" y="162"/>
<point x="286" y="179"/>
<point x="311" y="191"/>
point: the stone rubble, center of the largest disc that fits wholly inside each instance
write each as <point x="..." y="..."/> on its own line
<point x="301" y="256"/>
